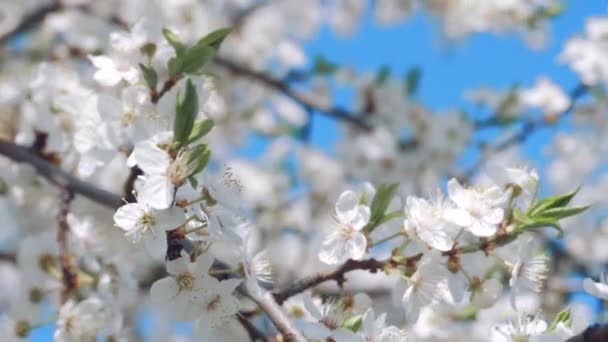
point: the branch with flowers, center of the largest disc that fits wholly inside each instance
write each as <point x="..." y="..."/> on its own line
<point x="187" y="224"/>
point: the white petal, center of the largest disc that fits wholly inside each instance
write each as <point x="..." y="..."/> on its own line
<point x="203" y="264"/>
<point x="170" y="219"/>
<point x="459" y="217"/>
<point x="436" y="238"/>
<point x="163" y="290"/>
<point x="127" y="216"/>
<point x="178" y="266"/>
<point x="157" y="191"/>
<point x="315" y="331"/>
<point x="150" y="158"/>
<point x="107" y="77"/>
<point x="495" y="216"/>
<point x="482" y="229"/>
<point x="357" y="246"/>
<point x="599" y="290"/>
<point x="156" y="244"/>
<point x="333" y="249"/>
<point x="347" y="205"/>
<point x="455" y="190"/>
<point x="109" y="107"/>
<point x="101" y="61"/>
<point x="361" y="218"/>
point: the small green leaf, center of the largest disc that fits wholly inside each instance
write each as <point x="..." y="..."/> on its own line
<point x="544" y="222"/>
<point x="561" y="317"/>
<point x="412" y="79"/>
<point x="324" y="67"/>
<point x="353" y="323"/>
<point x="520" y="217"/>
<point x="175" y="66"/>
<point x="193" y="182"/>
<point x="186" y="110"/>
<point x="552" y="202"/>
<point x="150" y="75"/>
<point x="199" y="155"/>
<point x="563" y="212"/>
<point x="215" y="38"/>
<point x="175" y="41"/>
<point x="382" y="199"/>
<point x="195" y="58"/>
<point x="200" y="129"/>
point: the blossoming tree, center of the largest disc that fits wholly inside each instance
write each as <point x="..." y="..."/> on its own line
<point x="123" y="194"/>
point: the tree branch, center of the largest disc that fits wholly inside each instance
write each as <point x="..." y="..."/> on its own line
<point x="309" y="103"/>
<point x="267" y="303"/>
<point x="302" y="285"/>
<point x="31" y="20"/>
<point x="58" y="176"/>
<point x="69" y="277"/>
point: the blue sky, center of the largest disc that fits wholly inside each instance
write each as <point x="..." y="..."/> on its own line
<point x="447" y="71"/>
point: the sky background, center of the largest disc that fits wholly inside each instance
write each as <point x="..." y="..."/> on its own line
<point x="447" y="72"/>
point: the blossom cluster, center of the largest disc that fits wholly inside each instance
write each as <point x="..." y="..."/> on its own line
<point x="124" y="192"/>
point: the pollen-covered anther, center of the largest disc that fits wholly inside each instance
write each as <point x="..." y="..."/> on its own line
<point x="185" y="281"/>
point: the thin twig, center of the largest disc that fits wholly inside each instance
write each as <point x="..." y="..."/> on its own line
<point x="130" y="184"/>
<point x="58" y="176"/>
<point x="337" y="275"/>
<point x="69" y="276"/>
<point x="308" y="102"/>
<point x="528" y="128"/>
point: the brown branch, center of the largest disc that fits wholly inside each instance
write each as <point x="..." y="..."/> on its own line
<point x="338" y="275"/>
<point x="69" y="276"/>
<point x="307" y="102"/>
<point x="31" y="20"/>
<point x="130" y="184"/>
<point x="58" y="176"/>
<point x="168" y="85"/>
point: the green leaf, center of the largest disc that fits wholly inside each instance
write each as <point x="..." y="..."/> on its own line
<point x="561" y="317"/>
<point x="412" y="79"/>
<point x="215" y="38"/>
<point x="353" y="323"/>
<point x="150" y="75"/>
<point x="175" y="41"/>
<point x="552" y="202"/>
<point x="544" y="222"/>
<point x="199" y="155"/>
<point x="323" y="66"/>
<point x="186" y="110"/>
<point x="200" y="129"/>
<point x="563" y="212"/>
<point x="520" y="217"/>
<point x="382" y="199"/>
<point x="175" y="66"/>
<point x="195" y="58"/>
<point x="383" y="74"/>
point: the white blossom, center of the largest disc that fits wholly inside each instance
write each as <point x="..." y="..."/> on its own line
<point x="478" y="210"/>
<point x="346" y="241"/>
